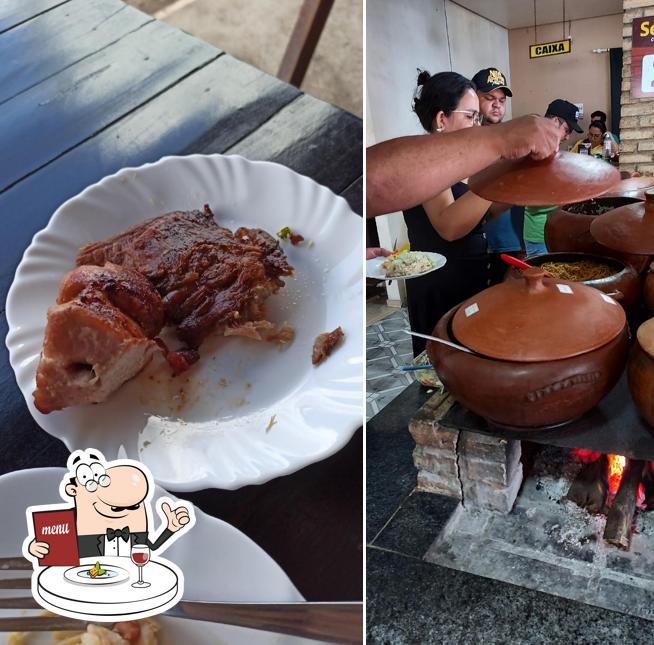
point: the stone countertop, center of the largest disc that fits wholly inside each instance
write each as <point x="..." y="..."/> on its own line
<point x="411" y="601"/>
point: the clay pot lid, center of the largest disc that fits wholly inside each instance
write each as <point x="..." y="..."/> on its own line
<point x="629" y="228"/>
<point x="565" y="178"/>
<point x="645" y="336"/>
<point x="631" y="187"/>
<point x="537" y="318"/>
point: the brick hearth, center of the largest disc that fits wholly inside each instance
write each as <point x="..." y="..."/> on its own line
<point x="482" y="471"/>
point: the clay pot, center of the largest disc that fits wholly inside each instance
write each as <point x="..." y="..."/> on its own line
<point x="648" y="288"/>
<point x="640" y="371"/>
<point x="631" y="186"/>
<point x="567" y="231"/>
<point x="629" y="228"/>
<point x="547" y="352"/>
<point x="625" y="285"/>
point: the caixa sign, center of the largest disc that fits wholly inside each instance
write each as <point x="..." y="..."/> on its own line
<point x="550" y="49"/>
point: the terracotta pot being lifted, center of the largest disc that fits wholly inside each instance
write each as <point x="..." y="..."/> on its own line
<point x="624" y="284"/>
<point x="547" y="351"/>
<point x="563" y="178"/>
<point x="568" y="230"/>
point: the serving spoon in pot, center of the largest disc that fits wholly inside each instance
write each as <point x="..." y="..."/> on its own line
<point x="520" y="264"/>
<point x="449" y="343"/>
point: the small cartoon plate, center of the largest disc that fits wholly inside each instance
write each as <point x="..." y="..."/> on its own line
<point x="375" y="270"/>
<point x="81" y="575"/>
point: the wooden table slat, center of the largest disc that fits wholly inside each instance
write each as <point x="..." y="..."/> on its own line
<point x="230" y="100"/>
<point x="312" y="137"/>
<point x="354" y="195"/>
<point x="18" y="429"/>
<point x="87" y="97"/>
<point x="15" y="12"/>
<point x="61" y="37"/>
<point x="290" y="512"/>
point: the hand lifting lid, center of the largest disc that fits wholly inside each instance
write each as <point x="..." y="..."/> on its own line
<point x="564" y="178"/>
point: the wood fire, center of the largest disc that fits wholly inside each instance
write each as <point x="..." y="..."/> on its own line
<point x="614" y="485"/>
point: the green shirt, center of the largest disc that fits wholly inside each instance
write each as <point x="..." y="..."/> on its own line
<point x="534" y="226"/>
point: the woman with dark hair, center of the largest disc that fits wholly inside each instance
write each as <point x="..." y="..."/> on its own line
<point x="598" y="115"/>
<point x="596" y="131"/>
<point x="449" y="223"/>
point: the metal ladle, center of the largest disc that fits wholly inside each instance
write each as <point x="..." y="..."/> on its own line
<point x="461" y="348"/>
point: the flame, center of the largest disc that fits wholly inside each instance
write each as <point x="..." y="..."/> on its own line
<point x="617" y="465"/>
<point x="584" y="456"/>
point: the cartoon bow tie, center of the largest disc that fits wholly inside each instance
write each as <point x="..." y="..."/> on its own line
<point x="123" y="533"/>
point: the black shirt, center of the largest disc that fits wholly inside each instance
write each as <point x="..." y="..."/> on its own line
<point x="466" y="272"/>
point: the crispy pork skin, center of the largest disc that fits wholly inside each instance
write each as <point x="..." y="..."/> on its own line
<point x="324" y="344"/>
<point x="98" y="335"/>
<point x="210" y="278"/>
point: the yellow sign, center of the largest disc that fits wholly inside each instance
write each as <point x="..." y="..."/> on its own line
<point x="550" y="49"/>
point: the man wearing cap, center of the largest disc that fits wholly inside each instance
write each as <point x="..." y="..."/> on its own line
<point x="504" y="232"/>
<point x="492" y="91"/>
<point x="565" y="114"/>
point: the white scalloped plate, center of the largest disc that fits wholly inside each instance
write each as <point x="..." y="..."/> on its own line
<point x="375" y="270"/>
<point x="211" y="426"/>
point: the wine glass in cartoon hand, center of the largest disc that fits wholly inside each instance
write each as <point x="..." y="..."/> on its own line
<point x="140" y="555"/>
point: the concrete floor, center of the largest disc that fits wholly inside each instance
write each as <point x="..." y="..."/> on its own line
<point x="377" y="309"/>
<point x="257" y="31"/>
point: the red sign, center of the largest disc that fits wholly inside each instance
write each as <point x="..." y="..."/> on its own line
<point x="642" y="58"/>
<point x="57" y="528"/>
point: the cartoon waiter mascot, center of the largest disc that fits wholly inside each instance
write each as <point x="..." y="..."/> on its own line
<point x="108" y="525"/>
<point x="111" y="507"/>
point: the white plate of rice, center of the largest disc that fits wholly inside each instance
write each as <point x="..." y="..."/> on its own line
<point x="404" y="266"/>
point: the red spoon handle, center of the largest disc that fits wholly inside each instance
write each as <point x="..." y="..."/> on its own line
<point x="509" y="259"/>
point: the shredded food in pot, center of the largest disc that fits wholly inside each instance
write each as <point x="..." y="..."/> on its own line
<point x="590" y="207"/>
<point x="579" y="271"/>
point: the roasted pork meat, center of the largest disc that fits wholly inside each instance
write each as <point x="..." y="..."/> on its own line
<point x="98" y="335"/>
<point x="210" y="278"/>
<point x="324" y="344"/>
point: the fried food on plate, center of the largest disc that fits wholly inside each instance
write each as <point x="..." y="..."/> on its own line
<point x="210" y="279"/>
<point x="98" y="335"/>
<point x="324" y="345"/>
